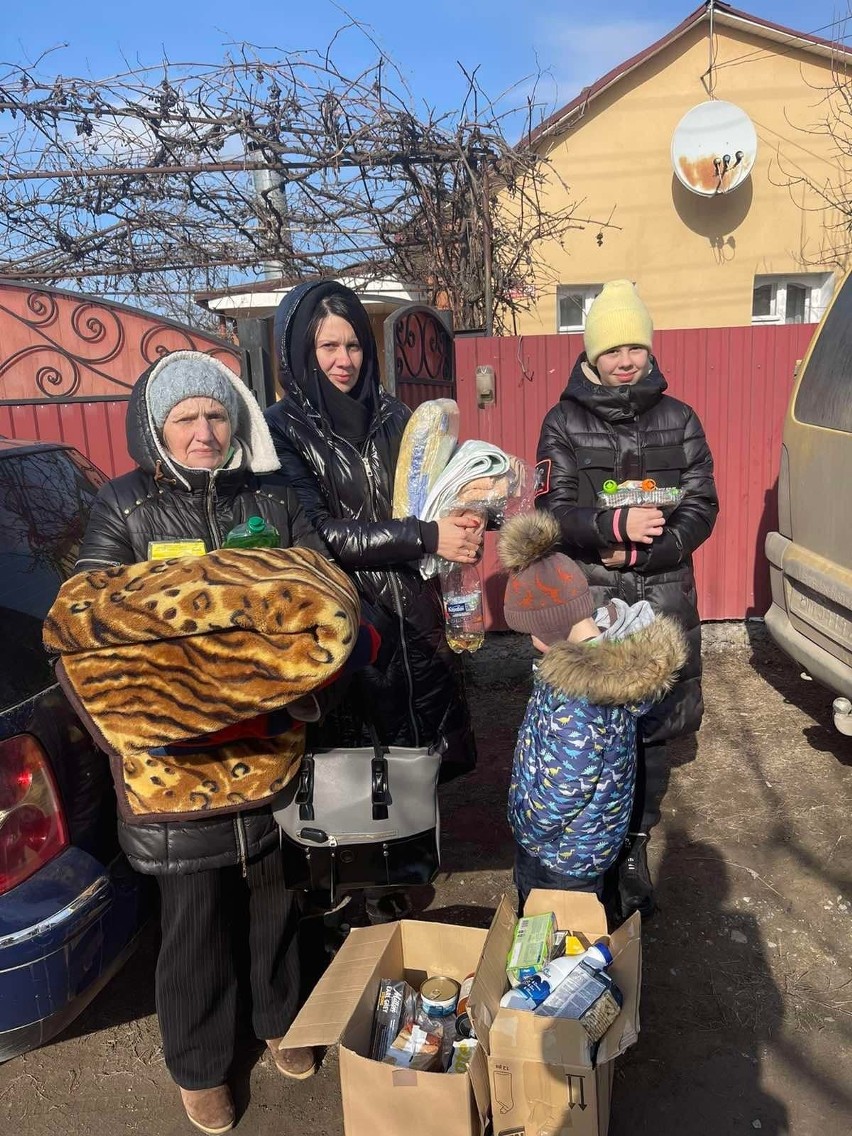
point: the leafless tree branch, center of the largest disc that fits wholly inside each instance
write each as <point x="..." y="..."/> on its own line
<point x="188" y="175"/>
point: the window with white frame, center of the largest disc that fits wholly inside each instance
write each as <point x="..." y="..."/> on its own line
<point x="572" y="305"/>
<point x="791" y="299"/>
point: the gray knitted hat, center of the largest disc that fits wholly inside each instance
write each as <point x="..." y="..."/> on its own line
<point x="189" y="375"/>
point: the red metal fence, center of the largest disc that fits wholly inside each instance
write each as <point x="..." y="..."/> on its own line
<point x="737" y="379"/>
<point x="68" y="364"/>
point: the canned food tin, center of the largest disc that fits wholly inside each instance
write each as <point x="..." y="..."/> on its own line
<point x="439" y="996"/>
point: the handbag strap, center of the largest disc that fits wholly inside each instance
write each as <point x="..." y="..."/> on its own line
<point x="379" y="782"/>
<point x="379" y="786"/>
<point x="305" y="792"/>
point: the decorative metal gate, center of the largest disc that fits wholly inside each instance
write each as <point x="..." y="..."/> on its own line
<point x="68" y="363"/>
<point x="419" y="355"/>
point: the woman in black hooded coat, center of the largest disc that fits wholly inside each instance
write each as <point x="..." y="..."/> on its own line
<point x="337" y="434"/>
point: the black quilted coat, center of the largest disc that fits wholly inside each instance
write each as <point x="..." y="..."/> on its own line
<point x="415" y="694"/>
<point x="157" y="502"/>
<point x="596" y="433"/>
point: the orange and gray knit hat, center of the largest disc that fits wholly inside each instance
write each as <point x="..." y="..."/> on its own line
<point x="546" y="593"/>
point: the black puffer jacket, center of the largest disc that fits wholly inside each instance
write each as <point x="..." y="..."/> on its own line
<point x="163" y="501"/>
<point x="596" y="433"/>
<point x="415" y="695"/>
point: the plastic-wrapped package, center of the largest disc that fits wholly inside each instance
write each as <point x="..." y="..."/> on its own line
<point x="480" y="478"/>
<point x="638" y="494"/>
<point x="521" y="495"/>
<point x="463" y="1051"/>
<point x="427" y="445"/>
<point x="419" y="1044"/>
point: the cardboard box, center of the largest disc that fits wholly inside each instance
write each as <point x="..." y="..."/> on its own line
<point x="379" y="1098"/>
<point x="546" y="1077"/>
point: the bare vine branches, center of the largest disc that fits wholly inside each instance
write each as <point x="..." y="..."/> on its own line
<point x="823" y="189"/>
<point x="183" y="176"/>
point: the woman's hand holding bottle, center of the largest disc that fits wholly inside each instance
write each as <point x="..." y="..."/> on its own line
<point x="460" y="537"/>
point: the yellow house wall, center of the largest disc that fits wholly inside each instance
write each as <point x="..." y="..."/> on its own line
<point x="694" y="259"/>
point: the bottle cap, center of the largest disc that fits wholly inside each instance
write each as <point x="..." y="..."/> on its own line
<point x="649" y="485"/>
<point x="255" y="524"/>
<point x="610" y="486"/>
<point x="604" y="951"/>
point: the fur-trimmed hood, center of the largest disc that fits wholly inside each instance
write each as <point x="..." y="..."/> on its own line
<point x="614" y="672"/>
<point x="254" y="449"/>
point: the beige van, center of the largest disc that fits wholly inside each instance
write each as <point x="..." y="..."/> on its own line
<point x="810" y="557"/>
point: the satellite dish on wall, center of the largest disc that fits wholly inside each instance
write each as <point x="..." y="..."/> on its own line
<point x="713" y="148"/>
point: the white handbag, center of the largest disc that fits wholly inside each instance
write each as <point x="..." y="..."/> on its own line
<point x="364" y="817"/>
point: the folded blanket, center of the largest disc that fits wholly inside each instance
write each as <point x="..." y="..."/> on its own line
<point x="427" y="444"/>
<point x="162" y="652"/>
<point x="480" y="478"/>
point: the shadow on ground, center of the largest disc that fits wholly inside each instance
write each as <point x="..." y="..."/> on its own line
<point x="746" y="1014"/>
<point x="709" y="1007"/>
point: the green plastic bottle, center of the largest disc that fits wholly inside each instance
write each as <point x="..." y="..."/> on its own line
<point x="255" y="533"/>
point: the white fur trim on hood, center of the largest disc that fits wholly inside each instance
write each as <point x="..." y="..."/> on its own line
<point x="251" y="435"/>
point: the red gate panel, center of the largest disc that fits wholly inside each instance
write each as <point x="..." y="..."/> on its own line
<point x="68" y="363"/>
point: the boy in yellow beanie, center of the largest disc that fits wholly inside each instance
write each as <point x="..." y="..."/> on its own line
<point x="617" y="316"/>
<point x="615" y="423"/>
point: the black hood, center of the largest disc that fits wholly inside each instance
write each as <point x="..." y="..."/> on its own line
<point x="614" y="404"/>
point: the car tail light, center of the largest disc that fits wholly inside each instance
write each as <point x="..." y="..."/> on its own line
<point x="32" y="823"/>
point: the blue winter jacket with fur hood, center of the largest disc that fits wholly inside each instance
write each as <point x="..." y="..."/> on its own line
<point x="575" y="762"/>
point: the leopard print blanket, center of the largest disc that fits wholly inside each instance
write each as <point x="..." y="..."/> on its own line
<point x="161" y="653"/>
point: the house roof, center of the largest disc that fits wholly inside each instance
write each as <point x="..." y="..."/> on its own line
<point x="260" y="297"/>
<point x="361" y="269"/>
<point x="723" y="15"/>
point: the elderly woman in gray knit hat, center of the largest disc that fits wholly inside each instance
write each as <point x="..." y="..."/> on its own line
<point x="202" y="449"/>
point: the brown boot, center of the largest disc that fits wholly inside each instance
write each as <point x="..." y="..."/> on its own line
<point x="296" y="1063"/>
<point x="211" y="1110"/>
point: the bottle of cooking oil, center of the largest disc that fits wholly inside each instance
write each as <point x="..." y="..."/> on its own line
<point x="465" y="628"/>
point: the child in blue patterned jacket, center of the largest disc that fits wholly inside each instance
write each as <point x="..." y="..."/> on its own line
<point x="575" y="762"/>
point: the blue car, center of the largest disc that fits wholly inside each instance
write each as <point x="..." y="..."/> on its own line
<point x="70" y="906"/>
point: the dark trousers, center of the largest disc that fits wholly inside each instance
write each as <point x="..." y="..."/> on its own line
<point x="652" y="779"/>
<point x="219" y="928"/>
<point x="531" y="873"/>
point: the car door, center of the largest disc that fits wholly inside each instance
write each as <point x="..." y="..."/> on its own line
<point x="813" y="548"/>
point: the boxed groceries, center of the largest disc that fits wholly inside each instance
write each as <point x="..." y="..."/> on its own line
<point x="551" y="1036"/>
<point x="395" y="999"/>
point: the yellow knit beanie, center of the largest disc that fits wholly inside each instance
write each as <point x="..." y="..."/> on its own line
<point x="616" y="317"/>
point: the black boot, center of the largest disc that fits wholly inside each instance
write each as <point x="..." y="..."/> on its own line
<point x="635" y="889"/>
<point x="387" y="906"/>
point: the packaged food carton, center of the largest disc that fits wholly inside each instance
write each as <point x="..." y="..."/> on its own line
<point x="546" y="1075"/>
<point x="532" y="946"/>
<point x="378" y="1097"/>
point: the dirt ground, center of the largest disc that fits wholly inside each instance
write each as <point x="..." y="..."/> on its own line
<point x="747" y="989"/>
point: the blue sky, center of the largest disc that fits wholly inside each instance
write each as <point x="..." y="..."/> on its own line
<point x="572" y="43"/>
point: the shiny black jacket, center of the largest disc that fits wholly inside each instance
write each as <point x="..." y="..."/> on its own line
<point x="158" y="501"/>
<point x="597" y="433"/>
<point x="414" y="695"/>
